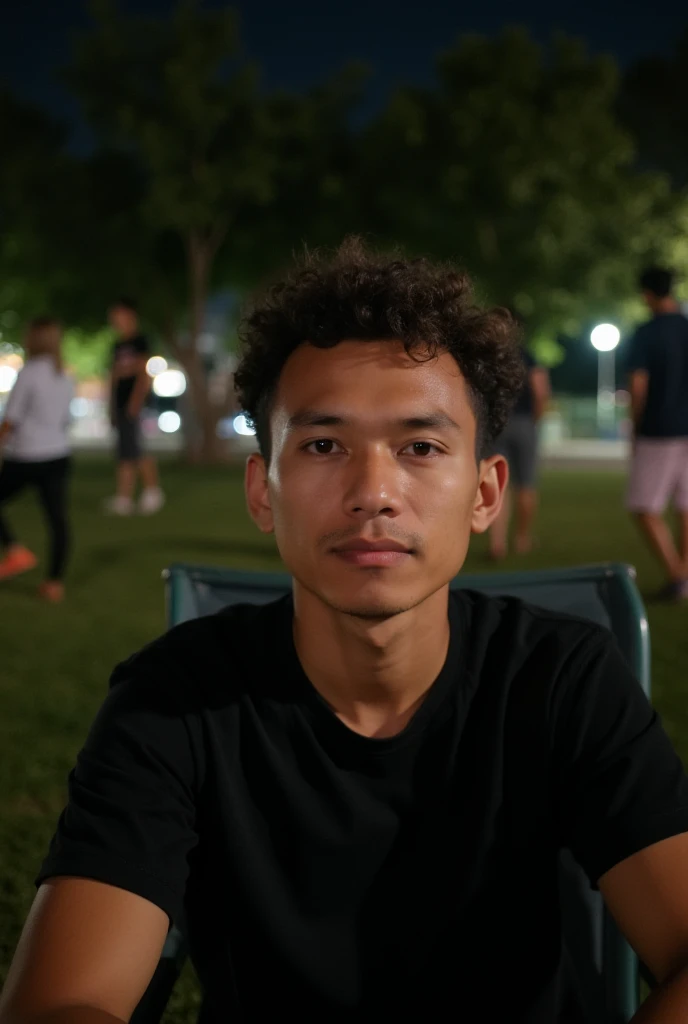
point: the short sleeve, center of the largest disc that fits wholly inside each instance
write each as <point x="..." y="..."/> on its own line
<point x="619" y="785"/>
<point x="130" y="814"/>
<point x="20" y="395"/>
<point x="638" y="352"/>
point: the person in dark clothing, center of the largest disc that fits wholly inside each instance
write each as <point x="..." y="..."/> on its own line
<point x="658" y="368"/>
<point x="357" y="795"/>
<point x="518" y="443"/>
<point x="129" y="386"/>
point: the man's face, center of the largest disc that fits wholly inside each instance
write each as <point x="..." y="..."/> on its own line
<point x="373" y="487"/>
<point x="123" y="320"/>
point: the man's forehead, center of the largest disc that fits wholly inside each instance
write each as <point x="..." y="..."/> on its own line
<point x="371" y="366"/>
<point x="369" y="380"/>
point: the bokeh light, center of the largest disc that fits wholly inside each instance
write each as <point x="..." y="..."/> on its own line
<point x="242" y="426"/>
<point x="169" y="384"/>
<point x="605" y="337"/>
<point x="8" y="375"/>
<point x="169" y="421"/>
<point x="156" y="365"/>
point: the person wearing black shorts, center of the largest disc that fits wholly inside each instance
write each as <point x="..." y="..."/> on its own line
<point x="129" y="386"/>
<point x="518" y="443"/>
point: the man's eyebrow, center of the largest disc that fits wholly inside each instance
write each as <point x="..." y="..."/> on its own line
<point x="315" y="418"/>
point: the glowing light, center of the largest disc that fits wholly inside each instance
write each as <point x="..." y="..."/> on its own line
<point x="79" y="407"/>
<point x="605" y="337"/>
<point x="8" y="375"/>
<point x="169" y="421"/>
<point x="156" y="365"/>
<point x="242" y="426"/>
<point x="169" y="384"/>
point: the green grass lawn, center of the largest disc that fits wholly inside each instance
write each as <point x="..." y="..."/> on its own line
<point x="55" y="661"/>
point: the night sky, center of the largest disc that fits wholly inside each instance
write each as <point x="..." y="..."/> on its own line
<point x="298" y="42"/>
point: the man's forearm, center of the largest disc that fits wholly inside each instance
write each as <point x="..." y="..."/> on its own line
<point x="138" y="395"/>
<point x="667" y="1004"/>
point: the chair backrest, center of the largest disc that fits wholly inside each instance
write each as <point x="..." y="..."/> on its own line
<point x="606" y="966"/>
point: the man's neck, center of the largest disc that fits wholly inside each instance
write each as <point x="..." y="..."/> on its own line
<point x="668" y="305"/>
<point x="373" y="674"/>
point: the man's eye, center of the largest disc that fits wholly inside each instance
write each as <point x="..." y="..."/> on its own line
<point x="321" y="447"/>
<point x="422" y="448"/>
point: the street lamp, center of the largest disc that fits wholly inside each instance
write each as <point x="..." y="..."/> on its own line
<point x="605" y="338"/>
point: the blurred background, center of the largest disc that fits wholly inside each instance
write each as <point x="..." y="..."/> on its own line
<point x="181" y="152"/>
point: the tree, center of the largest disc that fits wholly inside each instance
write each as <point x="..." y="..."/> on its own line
<point x="652" y="105"/>
<point x="176" y="103"/>
<point x="33" y="161"/>
<point x="516" y="166"/>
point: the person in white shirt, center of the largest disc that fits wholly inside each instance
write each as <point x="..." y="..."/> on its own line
<point x="35" y="445"/>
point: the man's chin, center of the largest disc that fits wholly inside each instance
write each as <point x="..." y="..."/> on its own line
<point x="373" y="607"/>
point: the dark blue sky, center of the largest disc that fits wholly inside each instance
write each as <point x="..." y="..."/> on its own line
<point x="298" y="42"/>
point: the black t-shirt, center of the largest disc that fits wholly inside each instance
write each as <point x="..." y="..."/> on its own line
<point x="525" y="402"/>
<point x="126" y="354"/>
<point x="340" y="878"/>
<point x="661" y="347"/>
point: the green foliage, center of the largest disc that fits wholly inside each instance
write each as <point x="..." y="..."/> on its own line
<point x="515" y="165"/>
<point x="87" y="354"/>
<point x="653" y="107"/>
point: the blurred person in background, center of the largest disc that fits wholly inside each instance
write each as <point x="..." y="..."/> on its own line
<point x="36" y="449"/>
<point x="518" y="443"/>
<point x="129" y="388"/>
<point x="658" y="384"/>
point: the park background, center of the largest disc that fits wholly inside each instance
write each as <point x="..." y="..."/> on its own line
<point x="181" y="153"/>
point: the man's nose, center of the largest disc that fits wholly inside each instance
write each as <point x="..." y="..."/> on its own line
<point x="372" y="485"/>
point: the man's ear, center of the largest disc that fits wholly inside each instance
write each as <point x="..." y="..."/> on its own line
<point x="492" y="483"/>
<point x="257" y="493"/>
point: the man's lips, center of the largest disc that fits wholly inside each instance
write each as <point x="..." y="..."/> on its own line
<point x="372" y="545"/>
<point x="373" y="553"/>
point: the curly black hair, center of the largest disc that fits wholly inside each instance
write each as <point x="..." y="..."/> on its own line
<point x="358" y="294"/>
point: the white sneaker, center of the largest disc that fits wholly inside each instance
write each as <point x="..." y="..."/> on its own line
<point x="151" y="501"/>
<point x="119" y="506"/>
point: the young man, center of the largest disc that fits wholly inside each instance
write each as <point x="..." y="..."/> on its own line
<point x="658" y="365"/>
<point x="357" y="794"/>
<point x="129" y="386"/>
<point x="518" y="443"/>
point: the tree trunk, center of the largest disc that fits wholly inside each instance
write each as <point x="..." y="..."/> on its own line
<point x="208" y="448"/>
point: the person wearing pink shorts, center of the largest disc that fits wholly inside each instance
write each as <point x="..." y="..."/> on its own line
<point x="658" y="366"/>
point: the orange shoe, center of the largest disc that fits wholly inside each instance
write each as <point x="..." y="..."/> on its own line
<point x="17" y="560"/>
<point x="52" y="590"/>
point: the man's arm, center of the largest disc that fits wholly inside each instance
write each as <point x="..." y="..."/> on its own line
<point x="86" y="955"/>
<point x="540" y="388"/>
<point x="638" y="382"/>
<point x="647" y="894"/>
<point x="141" y="389"/>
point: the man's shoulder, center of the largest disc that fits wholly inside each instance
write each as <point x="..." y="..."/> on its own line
<point x="228" y="649"/>
<point x="514" y="631"/>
